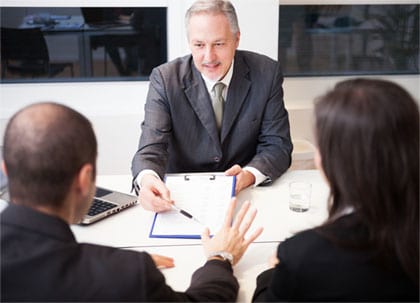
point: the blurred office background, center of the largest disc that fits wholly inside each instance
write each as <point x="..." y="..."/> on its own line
<point x="99" y="56"/>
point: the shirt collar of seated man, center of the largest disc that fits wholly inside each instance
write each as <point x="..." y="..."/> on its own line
<point x="49" y="157"/>
<point x="226" y="81"/>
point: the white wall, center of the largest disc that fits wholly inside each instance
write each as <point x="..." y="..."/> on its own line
<point x="116" y="108"/>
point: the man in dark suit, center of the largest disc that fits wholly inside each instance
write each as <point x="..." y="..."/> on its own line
<point x="49" y="157"/>
<point x="180" y="132"/>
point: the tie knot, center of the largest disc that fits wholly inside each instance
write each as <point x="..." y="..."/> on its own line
<point x="218" y="88"/>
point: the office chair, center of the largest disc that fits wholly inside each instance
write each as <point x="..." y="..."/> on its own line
<point x="25" y="52"/>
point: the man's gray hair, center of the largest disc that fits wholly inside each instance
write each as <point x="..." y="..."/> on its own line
<point x="214" y="7"/>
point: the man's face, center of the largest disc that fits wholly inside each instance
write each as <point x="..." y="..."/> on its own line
<point x="212" y="44"/>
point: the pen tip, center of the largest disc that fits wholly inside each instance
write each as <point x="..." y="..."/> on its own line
<point x="198" y="221"/>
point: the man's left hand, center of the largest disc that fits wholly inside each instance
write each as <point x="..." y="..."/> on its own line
<point x="244" y="178"/>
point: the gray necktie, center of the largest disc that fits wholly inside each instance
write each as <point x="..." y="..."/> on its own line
<point x="218" y="103"/>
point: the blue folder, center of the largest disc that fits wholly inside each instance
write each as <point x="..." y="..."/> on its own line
<point x="205" y="196"/>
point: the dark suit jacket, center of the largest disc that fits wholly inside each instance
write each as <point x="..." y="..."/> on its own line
<point x="41" y="261"/>
<point x="179" y="132"/>
<point x="315" y="268"/>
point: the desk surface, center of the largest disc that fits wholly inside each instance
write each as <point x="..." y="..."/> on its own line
<point x="130" y="229"/>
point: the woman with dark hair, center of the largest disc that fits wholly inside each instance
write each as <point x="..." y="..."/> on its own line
<point x="367" y="132"/>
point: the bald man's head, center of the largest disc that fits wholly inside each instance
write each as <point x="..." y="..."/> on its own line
<point x="45" y="145"/>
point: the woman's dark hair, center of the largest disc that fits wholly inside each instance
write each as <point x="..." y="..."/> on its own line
<point x="367" y="132"/>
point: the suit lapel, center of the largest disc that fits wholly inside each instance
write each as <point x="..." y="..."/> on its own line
<point x="197" y="95"/>
<point x="238" y="90"/>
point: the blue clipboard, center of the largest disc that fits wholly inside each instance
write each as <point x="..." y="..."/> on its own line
<point x="206" y="196"/>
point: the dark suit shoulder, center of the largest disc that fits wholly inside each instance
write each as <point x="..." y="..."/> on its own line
<point x="324" y="264"/>
<point x="176" y="69"/>
<point x="258" y="68"/>
<point x="256" y="60"/>
<point x="339" y="235"/>
<point x="253" y="56"/>
<point x="297" y="248"/>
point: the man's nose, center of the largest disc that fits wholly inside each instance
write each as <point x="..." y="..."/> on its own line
<point x="209" y="54"/>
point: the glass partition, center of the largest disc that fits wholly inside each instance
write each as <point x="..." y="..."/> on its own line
<point x="326" y="40"/>
<point x="41" y="44"/>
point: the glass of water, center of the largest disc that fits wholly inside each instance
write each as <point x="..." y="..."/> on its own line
<point x="300" y="196"/>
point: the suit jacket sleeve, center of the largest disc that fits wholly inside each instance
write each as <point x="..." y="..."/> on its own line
<point x="276" y="284"/>
<point x="273" y="152"/>
<point x="263" y="282"/>
<point x="213" y="282"/>
<point x="156" y="129"/>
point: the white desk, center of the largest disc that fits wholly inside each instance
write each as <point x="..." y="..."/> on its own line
<point x="130" y="229"/>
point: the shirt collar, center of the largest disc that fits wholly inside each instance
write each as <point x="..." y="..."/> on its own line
<point x="225" y="80"/>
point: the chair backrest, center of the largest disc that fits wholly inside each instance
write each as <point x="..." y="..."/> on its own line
<point x="23" y="44"/>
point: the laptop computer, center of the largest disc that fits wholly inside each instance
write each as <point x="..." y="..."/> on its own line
<point x="4" y="193"/>
<point x="106" y="203"/>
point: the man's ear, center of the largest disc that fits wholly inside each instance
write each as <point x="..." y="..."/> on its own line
<point x="3" y="167"/>
<point x="83" y="189"/>
<point x="85" y="179"/>
<point x="237" y="38"/>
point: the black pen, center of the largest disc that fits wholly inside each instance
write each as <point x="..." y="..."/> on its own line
<point x="185" y="213"/>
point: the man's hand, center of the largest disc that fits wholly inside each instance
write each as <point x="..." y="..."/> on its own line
<point x="273" y="261"/>
<point x="243" y="177"/>
<point x="231" y="237"/>
<point x="154" y="195"/>
<point x="163" y="261"/>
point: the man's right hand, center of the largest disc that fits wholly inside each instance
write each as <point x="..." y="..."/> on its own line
<point x="231" y="237"/>
<point x="154" y="195"/>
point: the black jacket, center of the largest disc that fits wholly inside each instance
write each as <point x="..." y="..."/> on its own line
<point x="41" y="261"/>
<point x="313" y="267"/>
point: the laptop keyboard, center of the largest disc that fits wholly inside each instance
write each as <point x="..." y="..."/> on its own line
<point x="99" y="206"/>
<point x="100" y="192"/>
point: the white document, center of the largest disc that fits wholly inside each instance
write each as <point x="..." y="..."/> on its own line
<point x="206" y="196"/>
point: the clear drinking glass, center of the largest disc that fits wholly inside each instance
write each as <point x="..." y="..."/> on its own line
<point x="300" y="196"/>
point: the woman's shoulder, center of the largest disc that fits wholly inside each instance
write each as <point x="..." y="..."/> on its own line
<point x="323" y="239"/>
